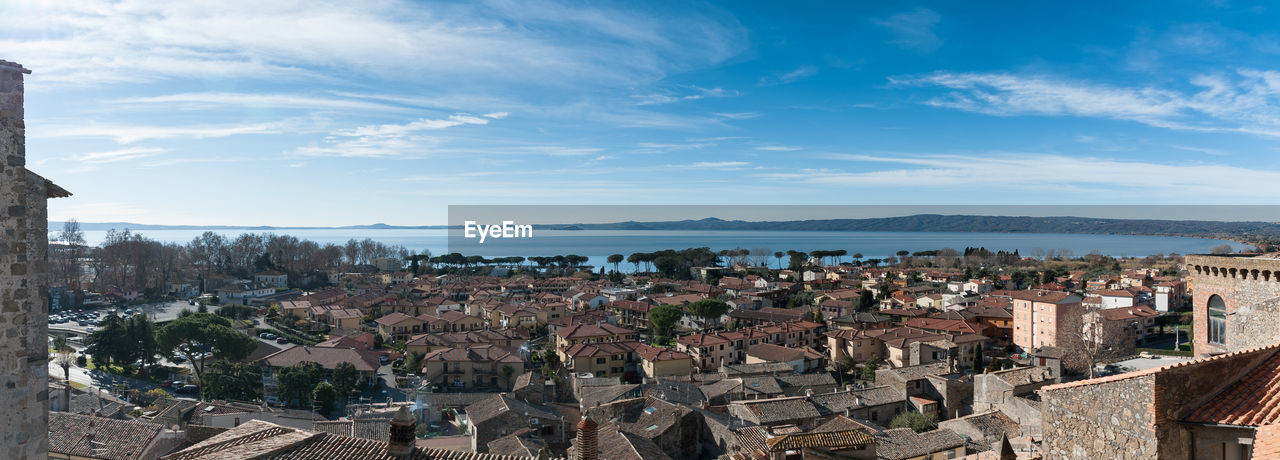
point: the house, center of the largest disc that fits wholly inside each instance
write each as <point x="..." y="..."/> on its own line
<point x="1170" y="295"/>
<point x="1046" y="319"/>
<point x="602" y="358"/>
<point x="76" y="436"/>
<point x="930" y="388"/>
<point x="674" y="428"/>
<point x="256" y="439"/>
<point x="501" y="415"/>
<point x="273" y="278"/>
<point x="566" y="337"/>
<point x="661" y="362"/>
<point x="508" y="338"/>
<point x="877" y="404"/>
<point x="244" y="292"/>
<point x="477" y="368"/>
<point x="630" y="313"/>
<point x="906" y="444"/>
<point x="366" y="363"/>
<point x="801" y="359"/>
<point x="399" y="326"/>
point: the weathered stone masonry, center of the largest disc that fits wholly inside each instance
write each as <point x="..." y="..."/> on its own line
<point x="1250" y="290"/>
<point x="24" y="353"/>
<point x="1137" y="415"/>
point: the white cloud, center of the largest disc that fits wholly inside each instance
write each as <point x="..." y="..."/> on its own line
<point x="1246" y="102"/>
<point x="207" y="100"/>
<point x="1200" y="182"/>
<point x="421" y="124"/>
<point x="800" y="73"/>
<point x="89" y="42"/>
<point x="913" y="29"/>
<point x="496" y="115"/>
<point x="127" y="134"/>
<point x="778" y="148"/>
<point x="118" y="155"/>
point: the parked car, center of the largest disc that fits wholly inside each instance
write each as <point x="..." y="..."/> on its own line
<point x="383" y="359"/>
<point x="188" y="390"/>
<point x="282" y="340"/>
<point x="166" y="383"/>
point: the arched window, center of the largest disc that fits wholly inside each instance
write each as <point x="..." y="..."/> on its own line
<point x="1217" y="320"/>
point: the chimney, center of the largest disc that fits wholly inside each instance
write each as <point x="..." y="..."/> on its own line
<point x="587" y="449"/>
<point x="401" y="439"/>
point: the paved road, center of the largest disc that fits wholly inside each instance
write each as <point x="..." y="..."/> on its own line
<point x="158" y="312"/>
<point x="96" y="379"/>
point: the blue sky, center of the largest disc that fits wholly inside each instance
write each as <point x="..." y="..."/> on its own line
<point x="338" y="113"/>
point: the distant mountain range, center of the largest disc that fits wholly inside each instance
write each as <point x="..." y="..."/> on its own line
<point x="913" y="223"/>
<point x="100" y="226"/>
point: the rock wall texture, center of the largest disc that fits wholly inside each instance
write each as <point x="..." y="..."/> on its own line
<point x="23" y="321"/>
<point x="1137" y="415"/>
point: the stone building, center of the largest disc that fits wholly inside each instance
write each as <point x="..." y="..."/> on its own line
<point x="1209" y="408"/>
<point x="24" y="225"/>
<point x="1236" y="301"/>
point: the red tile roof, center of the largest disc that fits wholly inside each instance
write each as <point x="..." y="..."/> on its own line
<point x="1251" y="401"/>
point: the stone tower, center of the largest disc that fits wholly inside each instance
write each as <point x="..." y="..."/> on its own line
<point x="24" y="229"/>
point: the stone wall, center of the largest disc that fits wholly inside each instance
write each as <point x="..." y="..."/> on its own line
<point x="1112" y="420"/>
<point x="1244" y="283"/>
<point x="23" y="352"/>
<point x="1137" y="415"/>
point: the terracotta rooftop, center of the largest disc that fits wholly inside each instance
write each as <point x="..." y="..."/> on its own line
<point x="1251" y="401"/>
<point x="834" y="440"/>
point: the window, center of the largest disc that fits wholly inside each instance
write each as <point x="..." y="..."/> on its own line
<point x="1217" y="320"/>
<point x="599" y="360"/>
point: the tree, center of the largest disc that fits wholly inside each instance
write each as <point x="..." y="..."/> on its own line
<point x="65" y="360"/>
<point x="142" y="339"/>
<point x="109" y="342"/>
<point x="708" y="309"/>
<point x="778" y="255"/>
<point x="550" y="362"/>
<point x="297" y="382"/>
<point x="324" y="396"/>
<point x="916" y="421"/>
<point x="977" y="359"/>
<point x="866" y="302"/>
<point x="508" y="372"/>
<point x="663" y="317"/>
<point x="200" y="332"/>
<point x="345" y="377"/>
<point x="615" y="259"/>
<point x="413" y="362"/>
<point x="60" y="343"/>
<point x="869" y="368"/>
<point x="237" y="381"/>
<point x="843" y="366"/>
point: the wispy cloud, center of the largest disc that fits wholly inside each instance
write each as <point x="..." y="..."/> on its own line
<point x="208" y="100"/>
<point x="91" y="42"/>
<point x="913" y="29"/>
<point x="118" y="155"/>
<point x="800" y="73"/>
<point x="421" y="124"/>
<point x="694" y="93"/>
<point x="1046" y="173"/>
<point x="1246" y="102"/>
<point x="128" y="134"/>
<point x="778" y="148"/>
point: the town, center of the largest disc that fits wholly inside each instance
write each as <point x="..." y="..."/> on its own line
<point x="694" y="354"/>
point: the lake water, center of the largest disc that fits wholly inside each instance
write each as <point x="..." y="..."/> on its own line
<point x="598" y="244"/>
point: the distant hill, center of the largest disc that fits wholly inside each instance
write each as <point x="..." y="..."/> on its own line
<point x="100" y="226"/>
<point x="913" y="223"/>
<point x="961" y="223"/>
